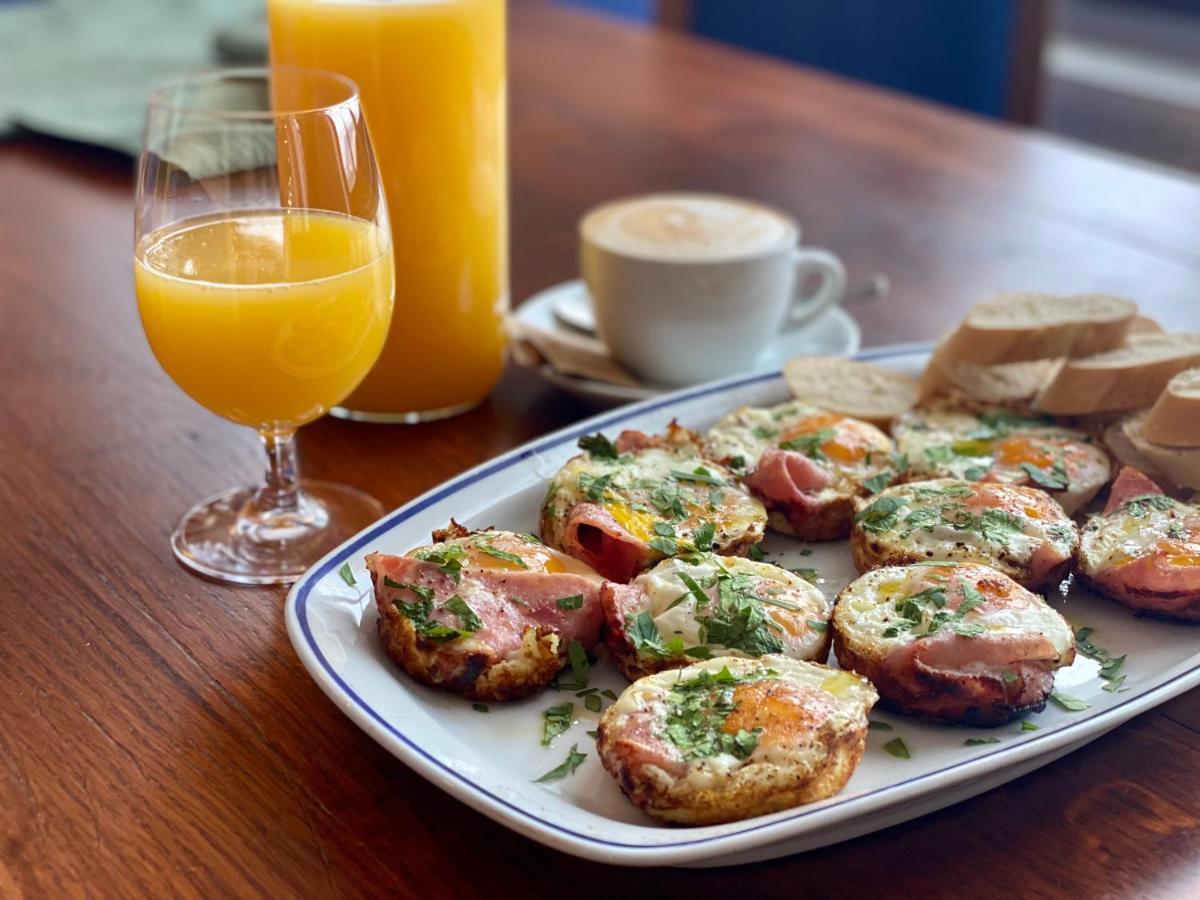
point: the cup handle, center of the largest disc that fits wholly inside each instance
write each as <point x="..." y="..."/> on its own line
<point x="809" y="261"/>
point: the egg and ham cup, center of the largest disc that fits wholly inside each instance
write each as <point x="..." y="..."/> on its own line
<point x="703" y="605"/>
<point x="1021" y="531"/>
<point x="622" y="506"/>
<point x="490" y="615"/>
<point x="1143" y="550"/>
<point x="956" y="643"/>
<point x="1003" y="446"/>
<point x="731" y="738"/>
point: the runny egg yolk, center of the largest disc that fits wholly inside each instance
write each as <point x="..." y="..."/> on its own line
<point x="781" y="709"/>
<point x="535" y="558"/>
<point x="846" y="445"/>
<point x="997" y="496"/>
<point x="1180" y="553"/>
<point x="637" y="522"/>
<point x="1014" y="451"/>
<point x="792" y="623"/>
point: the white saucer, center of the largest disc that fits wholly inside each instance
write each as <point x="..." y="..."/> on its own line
<point x="834" y="334"/>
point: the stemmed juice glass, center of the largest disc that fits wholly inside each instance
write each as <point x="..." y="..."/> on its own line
<point x="264" y="277"/>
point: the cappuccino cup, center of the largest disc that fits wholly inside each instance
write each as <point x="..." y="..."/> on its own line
<point x="687" y="287"/>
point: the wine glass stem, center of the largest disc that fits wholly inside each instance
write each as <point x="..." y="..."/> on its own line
<point x="280" y="493"/>
<point x="279" y="512"/>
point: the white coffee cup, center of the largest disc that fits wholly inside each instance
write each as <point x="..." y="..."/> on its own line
<point x="687" y="287"/>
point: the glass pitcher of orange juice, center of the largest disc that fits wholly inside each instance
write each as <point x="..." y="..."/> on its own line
<point x="432" y="80"/>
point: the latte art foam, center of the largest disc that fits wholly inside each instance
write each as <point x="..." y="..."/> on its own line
<point x="688" y="226"/>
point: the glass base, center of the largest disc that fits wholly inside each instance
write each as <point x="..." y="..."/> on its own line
<point x="217" y="539"/>
<point x="408" y="418"/>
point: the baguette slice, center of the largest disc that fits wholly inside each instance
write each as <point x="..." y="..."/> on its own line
<point x="1174" y="420"/>
<point x="1145" y="325"/>
<point x="1179" y="466"/>
<point x="1019" y="327"/>
<point x="1004" y="383"/>
<point x="1130" y="377"/>
<point x="851" y="388"/>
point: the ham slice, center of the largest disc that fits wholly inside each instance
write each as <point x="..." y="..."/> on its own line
<point x="1130" y="483"/>
<point x="630" y="441"/>
<point x="507" y="602"/>
<point x="594" y="536"/>
<point x="788" y="479"/>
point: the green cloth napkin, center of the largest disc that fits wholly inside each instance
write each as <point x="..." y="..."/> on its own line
<point x="82" y="69"/>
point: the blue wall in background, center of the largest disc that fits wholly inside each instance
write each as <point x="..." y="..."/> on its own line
<point x="953" y="51"/>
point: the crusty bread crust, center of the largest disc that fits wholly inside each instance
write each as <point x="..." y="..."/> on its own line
<point x="1026" y="326"/>
<point x="1130" y="377"/>
<point x="1174" y="420"/>
<point x="1005" y="383"/>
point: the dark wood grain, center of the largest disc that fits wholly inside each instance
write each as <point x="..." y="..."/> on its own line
<point x="158" y="736"/>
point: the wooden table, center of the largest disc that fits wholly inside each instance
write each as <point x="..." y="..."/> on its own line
<point x="158" y="736"/>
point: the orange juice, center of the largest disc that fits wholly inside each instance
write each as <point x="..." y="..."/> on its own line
<point x="266" y="318"/>
<point x="432" y="78"/>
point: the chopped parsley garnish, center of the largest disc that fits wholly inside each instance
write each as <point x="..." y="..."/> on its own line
<point x="1054" y="479"/>
<point x="975" y="473"/>
<point x="877" y="483"/>
<point x="737" y="463"/>
<point x="715" y="498"/>
<point x="645" y="636"/>
<point x="1069" y="703"/>
<point x="755" y="553"/>
<point x="420" y="590"/>
<point x="880" y="516"/>
<point x="927" y="609"/>
<point x="703" y="539"/>
<point x="574" y="761"/>
<point x="449" y="559"/>
<point x="1176" y="532"/>
<point x="978" y="742"/>
<point x="459" y="607"/>
<point x="939" y="454"/>
<point x="592" y="702"/>
<point x="876" y="725"/>
<point x="897" y="748"/>
<point x="573" y="602"/>
<point x="810" y="444"/>
<point x="420" y="611"/>
<point x="501" y="554"/>
<point x="694" y="589"/>
<point x="763" y="433"/>
<point x="1028" y="726"/>
<point x="347" y="575"/>
<point x="700" y="475"/>
<point x="738" y="620"/>
<point x="555" y="721"/>
<point x="664" y="529"/>
<point x="696" y="714"/>
<point x="1110" y="666"/>
<point x="812" y="576"/>
<point x="663" y="545"/>
<point x="594" y="486"/>
<point x="667" y="501"/>
<point x="1140" y="506"/>
<point x="598" y="446"/>
<point x="817" y="625"/>
<point x="579" y="662"/>
<point x="480" y="707"/>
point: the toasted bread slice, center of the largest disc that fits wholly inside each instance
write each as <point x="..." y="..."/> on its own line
<point x="1005" y="383"/>
<point x="1128" y="378"/>
<point x="1177" y="466"/>
<point x="1174" y="420"/>
<point x="1018" y="327"/>
<point x="1145" y="325"/>
<point x="851" y="388"/>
